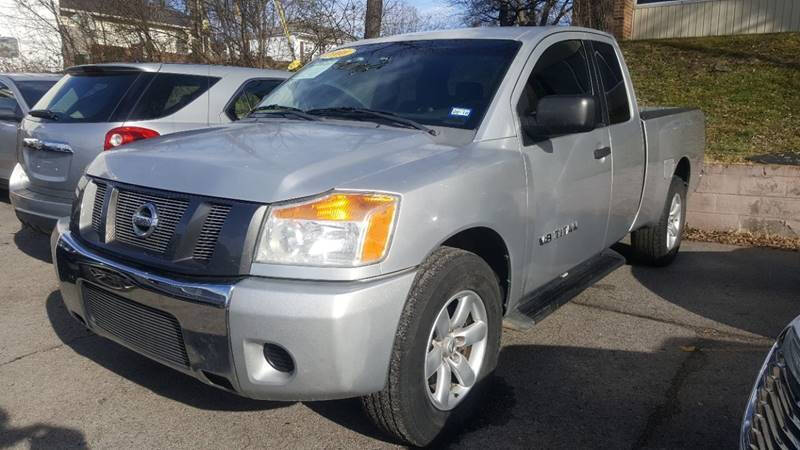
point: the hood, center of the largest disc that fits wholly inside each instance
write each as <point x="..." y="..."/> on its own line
<point x="265" y="161"/>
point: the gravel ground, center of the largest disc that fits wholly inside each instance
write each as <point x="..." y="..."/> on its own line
<point x="647" y="358"/>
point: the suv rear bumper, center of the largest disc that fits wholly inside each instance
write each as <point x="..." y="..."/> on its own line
<point x="36" y="208"/>
<point x="339" y="334"/>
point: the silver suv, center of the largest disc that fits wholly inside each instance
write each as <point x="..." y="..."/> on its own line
<point x="18" y="92"/>
<point x="100" y="107"/>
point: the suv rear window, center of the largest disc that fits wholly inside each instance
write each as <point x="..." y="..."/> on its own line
<point x="168" y="93"/>
<point x="122" y="95"/>
<point x="87" y="97"/>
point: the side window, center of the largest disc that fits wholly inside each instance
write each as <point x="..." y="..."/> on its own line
<point x="562" y="69"/>
<point x="168" y="93"/>
<point x="8" y="103"/>
<point x="613" y="82"/>
<point x="248" y="97"/>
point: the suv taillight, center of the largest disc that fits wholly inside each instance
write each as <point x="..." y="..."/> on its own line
<point x="123" y="135"/>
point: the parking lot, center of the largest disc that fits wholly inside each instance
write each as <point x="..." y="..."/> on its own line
<point x="648" y="358"/>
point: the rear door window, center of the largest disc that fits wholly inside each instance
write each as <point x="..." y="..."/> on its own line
<point x="168" y="93"/>
<point x="87" y="97"/>
<point x="249" y="96"/>
<point x="613" y="82"/>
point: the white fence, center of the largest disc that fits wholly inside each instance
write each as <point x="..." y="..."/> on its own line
<point x="687" y="18"/>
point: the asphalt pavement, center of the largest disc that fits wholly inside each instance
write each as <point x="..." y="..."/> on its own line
<point x="647" y="358"/>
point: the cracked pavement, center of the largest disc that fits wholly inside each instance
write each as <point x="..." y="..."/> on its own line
<point x="647" y="358"/>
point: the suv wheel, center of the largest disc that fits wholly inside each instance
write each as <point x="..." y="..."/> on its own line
<point x="447" y="343"/>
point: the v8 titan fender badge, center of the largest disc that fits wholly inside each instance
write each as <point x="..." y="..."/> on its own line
<point x="558" y="233"/>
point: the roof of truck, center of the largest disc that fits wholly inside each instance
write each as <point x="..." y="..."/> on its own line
<point x="514" y="33"/>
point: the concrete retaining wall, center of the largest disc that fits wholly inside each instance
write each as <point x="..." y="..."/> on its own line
<point x="756" y="198"/>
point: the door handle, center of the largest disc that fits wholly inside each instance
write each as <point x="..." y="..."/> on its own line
<point x="601" y="153"/>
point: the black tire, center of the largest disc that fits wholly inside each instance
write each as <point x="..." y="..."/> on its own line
<point x="402" y="409"/>
<point x="650" y="243"/>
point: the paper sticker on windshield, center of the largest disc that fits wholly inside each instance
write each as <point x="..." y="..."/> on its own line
<point x="460" y="112"/>
<point x="338" y="53"/>
<point x="314" y="69"/>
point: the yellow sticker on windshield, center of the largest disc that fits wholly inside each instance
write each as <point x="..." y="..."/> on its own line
<point x="338" y="53"/>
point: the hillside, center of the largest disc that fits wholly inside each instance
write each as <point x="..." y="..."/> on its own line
<point x="748" y="86"/>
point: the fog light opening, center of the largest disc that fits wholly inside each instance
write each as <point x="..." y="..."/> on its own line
<point x="278" y="358"/>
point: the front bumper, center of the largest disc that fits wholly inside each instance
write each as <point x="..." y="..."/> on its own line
<point x="339" y="334"/>
<point x="772" y="416"/>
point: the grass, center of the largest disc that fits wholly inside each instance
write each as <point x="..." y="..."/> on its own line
<point x="748" y="86"/>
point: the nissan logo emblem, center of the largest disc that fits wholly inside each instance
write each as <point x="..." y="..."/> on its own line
<point x="145" y="220"/>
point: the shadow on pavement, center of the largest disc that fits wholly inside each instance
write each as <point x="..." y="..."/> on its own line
<point x="34" y="244"/>
<point x="573" y="397"/>
<point x="4" y="196"/>
<point x="39" y="436"/>
<point x="158" y="378"/>
<point x="752" y="289"/>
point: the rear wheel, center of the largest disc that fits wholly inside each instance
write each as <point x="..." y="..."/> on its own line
<point x="447" y="343"/>
<point x="658" y="245"/>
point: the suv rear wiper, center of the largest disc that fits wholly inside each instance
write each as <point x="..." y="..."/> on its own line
<point x="45" y="114"/>
<point x="282" y="110"/>
<point x="370" y="113"/>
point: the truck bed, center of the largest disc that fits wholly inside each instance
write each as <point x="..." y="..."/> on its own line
<point x="670" y="134"/>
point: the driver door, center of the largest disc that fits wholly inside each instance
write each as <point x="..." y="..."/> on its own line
<point x="569" y="189"/>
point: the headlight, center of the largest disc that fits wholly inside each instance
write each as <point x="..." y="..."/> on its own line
<point x="344" y="229"/>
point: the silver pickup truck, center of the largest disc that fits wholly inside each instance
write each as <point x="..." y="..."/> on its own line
<point x="367" y="230"/>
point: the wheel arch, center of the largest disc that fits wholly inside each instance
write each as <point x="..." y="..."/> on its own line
<point x="684" y="170"/>
<point x="490" y="246"/>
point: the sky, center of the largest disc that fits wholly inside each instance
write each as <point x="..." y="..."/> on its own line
<point x="433" y="7"/>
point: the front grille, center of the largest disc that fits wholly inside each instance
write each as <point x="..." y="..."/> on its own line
<point x="170" y="212"/>
<point x="97" y="209"/>
<point x="207" y="241"/>
<point x="775" y="421"/>
<point x="149" y="331"/>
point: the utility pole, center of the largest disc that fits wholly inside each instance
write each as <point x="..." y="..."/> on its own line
<point x="372" y="19"/>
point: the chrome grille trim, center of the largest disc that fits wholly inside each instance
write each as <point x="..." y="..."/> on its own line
<point x="97" y="208"/>
<point x="772" y="419"/>
<point x="207" y="241"/>
<point x="150" y="331"/>
<point x="170" y="213"/>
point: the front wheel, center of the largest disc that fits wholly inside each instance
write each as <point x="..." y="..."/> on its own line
<point x="447" y="342"/>
<point x="658" y="245"/>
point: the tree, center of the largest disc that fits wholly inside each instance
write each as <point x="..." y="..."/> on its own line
<point x="513" y="12"/>
<point x="597" y="14"/>
<point x="372" y="19"/>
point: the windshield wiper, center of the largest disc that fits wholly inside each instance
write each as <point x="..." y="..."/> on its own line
<point x="282" y="110"/>
<point x="362" y="113"/>
<point x="45" y="114"/>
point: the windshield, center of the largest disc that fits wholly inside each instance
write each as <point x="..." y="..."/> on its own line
<point x="448" y="83"/>
<point x="32" y="91"/>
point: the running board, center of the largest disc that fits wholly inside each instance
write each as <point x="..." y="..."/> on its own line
<point x="540" y="303"/>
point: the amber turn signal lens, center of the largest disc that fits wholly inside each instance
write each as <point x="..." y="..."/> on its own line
<point x="374" y="214"/>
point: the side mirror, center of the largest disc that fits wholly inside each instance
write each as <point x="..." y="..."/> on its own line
<point x="10" y="114"/>
<point x="566" y="114"/>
